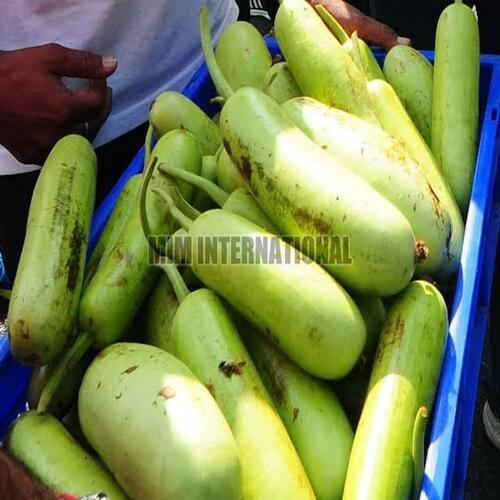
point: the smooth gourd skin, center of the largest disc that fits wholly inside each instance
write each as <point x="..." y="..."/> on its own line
<point x="204" y="338"/>
<point x="298" y="305"/>
<point x="395" y="120"/>
<point x="280" y="84"/>
<point x="319" y="63"/>
<point x="411" y="75"/>
<point x="305" y="192"/>
<point x="404" y="378"/>
<point x="455" y="114"/>
<point x="43" y="445"/>
<point x="229" y="177"/>
<point x="315" y="421"/>
<point x="243" y="56"/>
<point x="208" y="171"/>
<point x="385" y="164"/>
<point x="172" y="111"/>
<point x="242" y="203"/>
<point x="116" y="292"/>
<point x="43" y="307"/>
<point x="157" y="315"/>
<point x="114" y="226"/>
<point x="156" y="427"/>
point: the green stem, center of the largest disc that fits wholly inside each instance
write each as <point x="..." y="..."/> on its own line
<point x="147" y="145"/>
<point x="5" y="294"/>
<point x="332" y="24"/>
<point x="70" y="359"/>
<point x="180" y="289"/>
<point x="220" y="82"/>
<point x="215" y="192"/>
<point x="171" y="251"/>
<point x="218" y="152"/>
<point x="418" y="444"/>
<point x="356" y="52"/>
<point x="176" y="214"/>
<point x="146" y="178"/>
<point x="183" y="205"/>
<point x="218" y="100"/>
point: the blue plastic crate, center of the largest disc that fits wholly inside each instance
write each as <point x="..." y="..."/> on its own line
<point x="449" y="439"/>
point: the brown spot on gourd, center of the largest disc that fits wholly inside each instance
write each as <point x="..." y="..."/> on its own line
<point x="99" y="385"/>
<point x="130" y="370"/>
<point x="391" y="336"/>
<point x="230" y="368"/>
<point x="77" y="241"/>
<point x="167" y="392"/>
<point x="121" y="281"/>
<point x="314" y="335"/>
<point x="211" y="389"/>
<point x="23" y="329"/>
<point x="309" y="221"/>
<point x="295" y="414"/>
<point x="421" y="252"/>
<point x="245" y="167"/>
<point x="227" y="146"/>
<point x="118" y="396"/>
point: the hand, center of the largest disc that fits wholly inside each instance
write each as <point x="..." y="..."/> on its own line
<point x="370" y="30"/>
<point x="37" y="109"/>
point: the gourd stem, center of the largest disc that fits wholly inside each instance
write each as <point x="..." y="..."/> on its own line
<point x="147" y="146"/>
<point x="5" y="294"/>
<point x="178" y="284"/>
<point x="69" y="360"/>
<point x="184" y="221"/>
<point x="220" y="82"/>
<point x="215" y="192"/>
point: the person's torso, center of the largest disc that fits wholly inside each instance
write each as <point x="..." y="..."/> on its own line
<point x="156" y="42"/>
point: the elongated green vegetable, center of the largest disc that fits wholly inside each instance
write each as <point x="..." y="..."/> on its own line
<point x="106" y="311"/>
<point x="114" y="226"/>
<point x="396" y="121"/>
<point x="44" y="303"/>
<point x="229" y="177"/>
<point x="411" y="75"/>
<point x="156" y="427"/>
<point x="385" y="164"/>
<point x="321" y="67"/>
<point x="311" y="413"/>
<point x="369" y="64"/>
<point x="295" y="305"/>
<point x="455" y="113"/>
<point x="207" y="341"/>
<point x="404" y="378"/>
<point x="239" y="202"/>
<point x="208" y="171"/>
<point x="172" y="111"/>
<point x="271" y="153"/>
<point x="157" y="315"/>
<point x="243" y="56"/>
<point x="116" y="292"/>
<point x="280" y="83"/>
<point x="48" y="451"/>
<point x="324" y="199"/>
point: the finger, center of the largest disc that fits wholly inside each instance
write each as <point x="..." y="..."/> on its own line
<point x="90" y="128"/>
<point x="79" y="63"/>
<point x="86" y="105"/>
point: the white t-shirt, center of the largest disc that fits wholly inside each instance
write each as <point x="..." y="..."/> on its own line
<point x="156" y="42"/>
